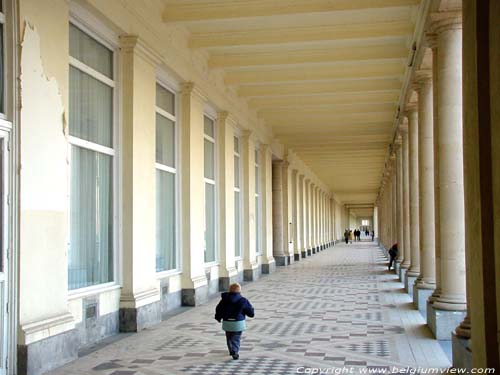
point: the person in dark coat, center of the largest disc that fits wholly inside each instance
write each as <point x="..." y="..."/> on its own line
<point x="393" y="253"/>
<point x="232" y="310"/>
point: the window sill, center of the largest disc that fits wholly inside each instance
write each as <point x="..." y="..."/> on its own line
<point x="92" y="290"/>
<point x="165" y="274"/>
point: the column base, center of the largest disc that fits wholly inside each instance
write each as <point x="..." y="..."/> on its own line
<point x="420" y="297"/>
<point x="225" y="281"/>
<point x="194" y="296"/>
<point x="135" y="319"/>
<point x="402" y="273"/>
<point x="268" y="268"/>
<point x="251" y="274"/>
<point x="281" y="260"/>
<point x="303" y="253"/>
<point x="409" y="281"/>
<point x="443" y="322"/>
<point x="47" y="354"/>
<point x="296" y="257"/>
<point x="462" y="356"/>
<point x="397" y="266"/>
<point x="309" y="252"/>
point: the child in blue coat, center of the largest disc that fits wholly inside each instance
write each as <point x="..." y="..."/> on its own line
<point x="232" y="309"/>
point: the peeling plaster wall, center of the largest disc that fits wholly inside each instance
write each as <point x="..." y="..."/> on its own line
<point x="44" y="180"/>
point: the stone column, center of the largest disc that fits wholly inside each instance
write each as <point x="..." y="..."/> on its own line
<point x="295" y="214"/>
<point x="194" y="281"/>
<point x="278" y="199"/>
<point x="448" y="310"/>
<point x="394" y="200"/>
<point x="300" y="216"/>
<point x="414" y="269"/>
<point x="268" y="263"/>
<point x="399" y="200"/>
<point x="225" y="159"/>
<point x="287" y="212"/>
<point x="375" y="223"/>
<point x="426" y="282"/>
<point x="406" y="204"/>
<point x="250" y="265"/>
<point x="431" y="39"/>
<point x="313" y="218"/>
<point x="482" y="187"/>
<point x="307" y="207"/>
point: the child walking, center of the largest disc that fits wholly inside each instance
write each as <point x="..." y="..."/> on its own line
<point x="232" y="309"/>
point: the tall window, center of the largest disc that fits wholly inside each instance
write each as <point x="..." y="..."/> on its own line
<point x="91" y="108"/>
<point x="166" y="172"/>
<point x="257" y="203"/>
<point x="210" y="197"/>
<point x="237" y="198"/>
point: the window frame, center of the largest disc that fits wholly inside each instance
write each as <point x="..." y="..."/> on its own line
<point x="161" y="80"/>
<point x="207" y="113"/>
<point x="239" y="190"/>
<point x="94" y="29"/>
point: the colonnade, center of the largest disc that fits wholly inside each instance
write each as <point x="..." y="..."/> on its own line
<point x="432" y="193"/>
<point x="305" y="216"/>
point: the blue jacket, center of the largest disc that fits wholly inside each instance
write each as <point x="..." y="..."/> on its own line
<point x="233" y="307"/>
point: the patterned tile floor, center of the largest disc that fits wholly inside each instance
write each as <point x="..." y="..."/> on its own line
<point x="340" y="308"/>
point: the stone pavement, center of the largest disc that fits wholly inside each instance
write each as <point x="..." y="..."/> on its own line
<point x="338" y="308"/>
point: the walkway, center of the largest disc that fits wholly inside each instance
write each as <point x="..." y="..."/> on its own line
<point x="339" y="308"/>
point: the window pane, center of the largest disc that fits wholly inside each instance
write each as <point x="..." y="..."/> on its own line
<point x="165" y="221"/>
<point x="236" y="172"/>
<point x="236" y="145"/>
<point x="209" y="150"/>
<point x="237" y="224"/>
<point x="165" y="99"/>
<point x="165" y="141"/>
<point x="90" y="52"/>
<point x="90" y="257"/>
<point x="209" y="223"/>
<point x="209" y="126"/>
<point x="90" y="108"/>
<point x="257" y="225"/>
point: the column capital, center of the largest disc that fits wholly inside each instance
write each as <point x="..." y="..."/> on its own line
<point x="423" y="77"/>
<point x="189" y="88"/>
<point x="431" y="39"/>
<point x="225" y="116"/>
<point x="247" y="135"/>
<point x="301" y="176"/>
<point x="446" y="20"/>
<point x="411" y="108"/>
<point x="134" y="44"/>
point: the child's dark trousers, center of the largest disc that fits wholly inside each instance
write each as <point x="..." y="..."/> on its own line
<point x="233" y="342"/>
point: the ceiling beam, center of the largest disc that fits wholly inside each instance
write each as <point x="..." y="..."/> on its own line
<point x="298" y="101"/>
<point x="321" y="87"/>
<point x="300" y="34"/>
<point x="389" y="69"/>
<point x="333" y="109"/>
<point x="192" y="11"/>
<point x="308" y="56"/>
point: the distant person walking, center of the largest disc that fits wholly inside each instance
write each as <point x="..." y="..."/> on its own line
<point x="393" y="253"/>
<point x="351" y="236"/>
<point x="346" y="237"/>
<point x="373" y="235"/>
